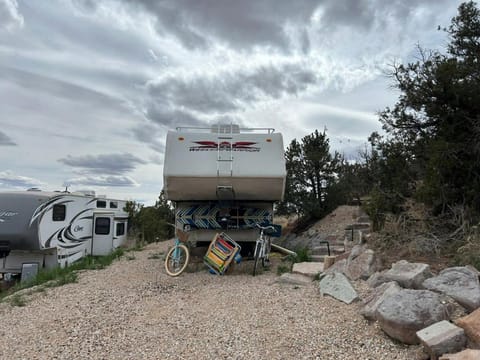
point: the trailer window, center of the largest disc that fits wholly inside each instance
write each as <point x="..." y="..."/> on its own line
<point x="102" y="226"/>
<point x="120" y="229"/>
<point x="59" y="212"/>
<point x="101" y="204"/>
<point x="113" y="205"/>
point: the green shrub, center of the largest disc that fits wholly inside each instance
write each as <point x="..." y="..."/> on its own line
<point x="303" y="255"/>
<point x="60" y="276"/>
<point x="17" y="300"/>
<point x="283" y="268"/>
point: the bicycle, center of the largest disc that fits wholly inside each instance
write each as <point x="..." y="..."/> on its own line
<point x="262" y="247"/>
<point x="178" y="256"/>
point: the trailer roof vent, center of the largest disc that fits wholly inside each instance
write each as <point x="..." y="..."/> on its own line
<point x="225" y="129"/>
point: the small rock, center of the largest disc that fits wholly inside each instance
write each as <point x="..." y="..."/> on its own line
<point x="471" y="325"/>
<point x="338" y="266"/>
<point x="442" y="337"/>
<point x="468" y="354"/>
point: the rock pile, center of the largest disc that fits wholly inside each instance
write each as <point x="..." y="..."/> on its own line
<point x="410" y="303"/>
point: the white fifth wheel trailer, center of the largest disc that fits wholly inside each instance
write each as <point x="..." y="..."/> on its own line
<point x="223" y="177"/>
<point x="55" y="228"/>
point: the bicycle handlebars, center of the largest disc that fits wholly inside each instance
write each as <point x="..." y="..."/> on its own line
<point x="269" y="227"/>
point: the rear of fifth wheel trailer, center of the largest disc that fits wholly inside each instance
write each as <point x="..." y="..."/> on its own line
<point x="224" y="177"/>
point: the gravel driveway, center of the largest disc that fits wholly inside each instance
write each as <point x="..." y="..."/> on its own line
<point x="133" y="310"/>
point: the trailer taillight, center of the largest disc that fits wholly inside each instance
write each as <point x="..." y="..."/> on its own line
<point x="269" y="140"/>
<point x="181" y="138"/>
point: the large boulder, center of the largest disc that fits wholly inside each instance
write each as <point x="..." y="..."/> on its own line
<point x="408" y="275"/>
<point x="407" y="311"/>
<point x="376" y="297"/>
<point x="361" y="264"/>
<point x="460" y="283"/>
<point x="337" y="286"/>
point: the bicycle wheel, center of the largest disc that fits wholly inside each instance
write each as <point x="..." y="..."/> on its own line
<point x="266" y="252"/>
<point x="176" y="260"/>
<point x="257" y="255"/>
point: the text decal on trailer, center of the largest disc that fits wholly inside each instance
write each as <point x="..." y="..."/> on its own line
<point x="6" y="214"/>
<point x="225" y="145"/>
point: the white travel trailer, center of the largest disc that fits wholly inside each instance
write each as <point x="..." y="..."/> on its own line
<point x="48" y="229"/>
<point x="223" y="177"/>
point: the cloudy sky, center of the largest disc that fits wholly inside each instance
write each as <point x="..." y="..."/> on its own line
<point x="89" y="88"/>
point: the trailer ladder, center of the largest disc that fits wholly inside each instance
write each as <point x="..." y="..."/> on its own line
<point x="225" y="150"/>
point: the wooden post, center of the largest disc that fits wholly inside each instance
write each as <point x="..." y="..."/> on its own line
<point x="328" y="261"/>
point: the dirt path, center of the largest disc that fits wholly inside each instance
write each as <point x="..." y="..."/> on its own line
<point x="133" y="310"/>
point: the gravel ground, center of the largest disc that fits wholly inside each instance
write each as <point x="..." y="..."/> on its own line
<point x="133" y="310"/>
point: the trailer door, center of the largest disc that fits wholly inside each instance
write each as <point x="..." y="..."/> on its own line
<point x="102" y="238"/>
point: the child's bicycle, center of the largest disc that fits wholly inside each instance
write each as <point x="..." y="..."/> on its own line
<point x="262" y="247"/>
<point x="178" y="256"/>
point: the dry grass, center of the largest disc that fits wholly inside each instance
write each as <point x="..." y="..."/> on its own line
<point x="417" y="236"/>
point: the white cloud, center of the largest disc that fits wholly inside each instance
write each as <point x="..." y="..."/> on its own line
<point x="10" y="17"/>
<point x="104" y="181"/>
<point x="8" y="179"/>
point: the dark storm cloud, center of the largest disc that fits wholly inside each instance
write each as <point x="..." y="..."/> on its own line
<point x="200" y="100"/>
<point x="228" y="91"/>
<point x="112" y="164"/>
<point x="9" y="179"/>
<point x="242" y="24"/>
<point x="5" y="140"/>
<point x="109" y="180"/>
<point x="10" y="17"/>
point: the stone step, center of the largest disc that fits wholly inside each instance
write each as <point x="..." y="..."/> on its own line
<point x="310" y="269"/>
<point x="323" y="250"/>
<point x="358" y="226"/>
<point x="317" y="258"/>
